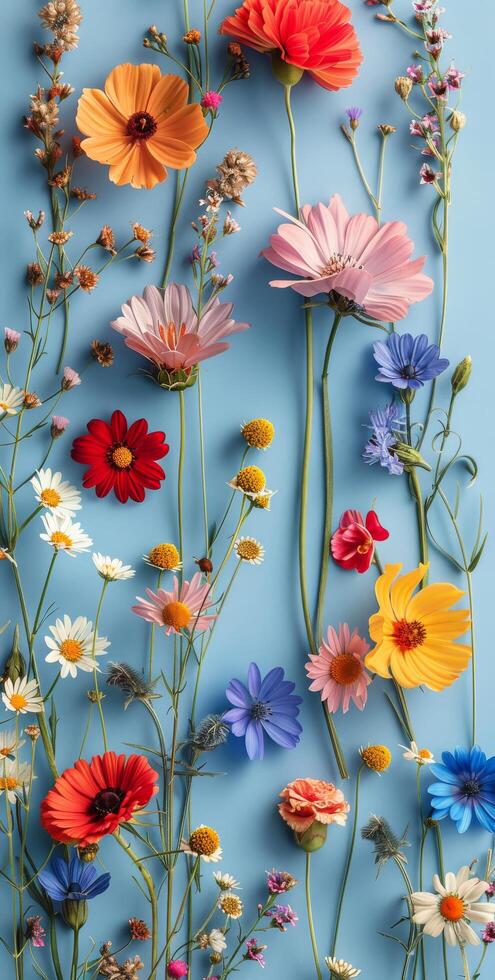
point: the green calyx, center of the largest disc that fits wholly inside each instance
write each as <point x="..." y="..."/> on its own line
<point x="284" y="73"/>
<point x="313" y="838"/>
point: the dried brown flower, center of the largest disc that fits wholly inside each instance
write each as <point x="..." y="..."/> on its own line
<point x="31" y="400"/>
<point x="44" y="111"/>
<point x="63" y="280"/>
<point x="34" y="274"/>
<point x="106" y="239"/>
<point x="204" y="564"/>
<point x="141" y="234"/>
<point x="192" y="37"/>
<point x="54" y="51"/>
<point x="81" y="194"/>
<point x="386" y="129"/>
<point x="62" y="18"/>
<point x="236" y="171"/>
<point x="241" y="64"/>
<point x="77" y="150"/>
<point x="139" y="930"/>
<point x="52" y="296"/>
<point x="86" y="278"/>
<point x="110" y="967"/>
<point x="62" y="178"/>
<point x="60" y="237"/>
<point x="234" y="49"/>
<point x="95" y="696"/>
<point x="102" y="353"/>
<point x="32" y="732"/>
<point x="145" y="253"/>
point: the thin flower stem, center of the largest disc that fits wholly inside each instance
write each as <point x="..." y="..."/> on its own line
<point x="180" y="187"/>
<point x="407" y="723"/>
<point x="203" y="467"/>
<point x="362" y="174"/>
<point x="480" y="963"/>
<point x="95" y="671"/>
<point x="348" y="862"/>
<point x="465" y="964"/>
<point x="182" y="908"/>
<point x="180" y="473"/>
<point x="12" y="868"/>
<point x="75" y="955"/>
<point x="381" y="167"/>
<point x="153" y="632"/>
<point x="420" y="514"/>
<point x="148" y="880"/>
<point x="441" y="869"/>
<point x="310" y="917"/>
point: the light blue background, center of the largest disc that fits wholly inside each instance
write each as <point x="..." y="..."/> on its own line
<point x="262" y="374"/>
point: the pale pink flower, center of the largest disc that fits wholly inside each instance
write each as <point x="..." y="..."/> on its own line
<point x="70" y="379"/>
<point x="350" y="256"/>
<point x="11" y="340"/>
<point x="162" y="326"/>
<point x="338" y="671"/>
<point x="59" y="425"/>
<point x="180" y="609"/>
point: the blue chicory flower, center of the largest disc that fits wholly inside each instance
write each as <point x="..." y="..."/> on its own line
<point x="465" y="790"/>
<point x="265" y="706"/>
<point x="386" y="425"/>
<point x="73" y="880"/>
<point x="406" y="361"/>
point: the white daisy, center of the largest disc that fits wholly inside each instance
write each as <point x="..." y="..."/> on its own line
<point x="10" y="399"/>
<point x="340" y="969"/>
<point x="9" y="742"/>
<point x="225" y="881"/>
<point x="22" y="696"/>
<point x="216" y="941"/>
<point x="56" y="494"/>
<point x="13" y="777"/>
<point x="112" y="569"/>
<point x="63" y="535"/>
<point x="6" y="556"/>
<point x="450" y="909"/>
<point x="423" y="757"/>
<point x="71" y="646"/>
<point x="249" y="550"/>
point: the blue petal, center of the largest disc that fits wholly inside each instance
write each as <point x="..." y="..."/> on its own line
<point x="254" y="740"/>
<point x="100" y="885"/>
<point x="280" y="735"/>
<point x="238" y="694"/>
<point x="273" y="683"/>
<point x="254" y="680"/>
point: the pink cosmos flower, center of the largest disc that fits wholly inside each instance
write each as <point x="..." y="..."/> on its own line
<point x="180" y="609"/>
<point x="211" y="100"/>
<point x="353" y="543"/>
<point x="162" y="326"/>
<point x="350" y="256"/>
<point x="337" y="670"/>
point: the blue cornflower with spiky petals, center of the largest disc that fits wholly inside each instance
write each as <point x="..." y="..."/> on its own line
<point x="354" y="114"/>
<point x="406" y="361"/>
<point x="386" y="427"/>
<point x="465" y="790"/>
<point x="265" y="707"/>
<point x="73" y="880"/>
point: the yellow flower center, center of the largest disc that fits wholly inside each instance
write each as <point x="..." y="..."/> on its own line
<point x="50" y="497"/>
<point x="362" y="549"/>
<point x="164" y="556"/>
<point x="204" y="841"/>
<point x="8" y="782"/>
<point x="4" y="406"/>
<point x="8" y="751"/>
<point x="122" y="457"/>
<point x="248" y="550"/>
<point x="452" y="908"/>
<point x="345" y="668"/>
<point x="176" y="614"/>
<point x="61" y="540"/>
<point x="18" y="701"/>
<point x="262" y="501"/>
<point x="408" y="636"/>
<point x="231" y="905"/>
<point x="424" y="754"/>
<point x="376" y="757"/>
<point x="251" y="479"/>
<point x="3" y="554"/>
<point x="71" y="650"/>
<point x="258" y="433"/>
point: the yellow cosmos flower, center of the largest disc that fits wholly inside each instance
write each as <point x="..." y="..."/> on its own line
<point x="414" y="632"/>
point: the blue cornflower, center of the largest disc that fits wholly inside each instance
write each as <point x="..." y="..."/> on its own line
<point x="74" y="880"/>
<point x="354" y="114"/>
<point x="386" y="425"/>
<point x="265" y="706"/>
<point x="465" y="790"/>
<point x="406" y="361"/>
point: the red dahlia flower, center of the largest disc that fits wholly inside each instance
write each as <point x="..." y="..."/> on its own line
<point x="121" y="459"/>
<point x="94" y="798"/>
<point x="353" y="543"/>
<point x="311" y="35"/>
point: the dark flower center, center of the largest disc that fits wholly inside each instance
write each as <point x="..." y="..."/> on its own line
<point x="408" y="371"/>
<point x="107" y="801"/>
<point x="260" y="711"/>
<point x="471" y="787"/>
<point x="120" y="456"/>
<point x="74" y="888"/>
<point x="141" y="125"/>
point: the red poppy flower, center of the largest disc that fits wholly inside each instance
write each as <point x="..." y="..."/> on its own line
<point x="353" y="543"/>
<point x="92" y="799"/>
<point x="121" y="459"/>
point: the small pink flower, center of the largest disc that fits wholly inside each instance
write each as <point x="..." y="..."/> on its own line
<point x="454" y="77"/>
<point x="439" y="88"/>
<point x="11" y="340"/>
<point x="211" y="100"/>
<point x="427" y="175"/>
<point x="255" y="952"/>
<point x="488" y="934"/>
<point x="70" y="379"/>
<point x="177" y="968"/>
<point x="59" y="425"/>
<point x="180" y="609"/>
<point x="353" y="543"/>
<point x="416" y="73"/>
<point x="337" y="670"/>
<point x="35" y="931"/>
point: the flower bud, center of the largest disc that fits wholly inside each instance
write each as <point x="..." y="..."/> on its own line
<point x="75" y="913"/>
<point x="15" y="665"/>
<point x="403" y="86"/>
<point x="88" y="853"/>
<point x="457" y="120"/>
<point x="205" y="565"/>
<point x="410" y="457"/>
<point x="313" y="838"/>
<point x="461" y="375"/>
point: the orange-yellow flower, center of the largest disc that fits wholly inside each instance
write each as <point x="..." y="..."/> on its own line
<point x="140" y="125"/>
<point x="414" y="633"/>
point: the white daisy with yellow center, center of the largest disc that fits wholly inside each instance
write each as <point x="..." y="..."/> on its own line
<point x="14" y="776"/>
<point x="63" y="535"/>
<point x="6" y="556"/>
<point x="22" y="696"/>
<point x="57" y="495"/>
<point x="423" y="757"/>
<point x="112" y="569"/>
<point x="225" y="882"/>
<point x="249" y="550"/>
<point x="340" y="969"/>
<point x="11" y="399"/>
<point x="9" y="743"/>
<point x="450" y="909"/>
<point x="74" y="646"/>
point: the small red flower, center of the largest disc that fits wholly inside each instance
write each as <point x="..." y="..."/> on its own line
<point x="121" y="459"/>
<point x="353" y="543"/>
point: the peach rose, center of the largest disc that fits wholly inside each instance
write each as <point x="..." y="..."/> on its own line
<point x="307" y="800"/>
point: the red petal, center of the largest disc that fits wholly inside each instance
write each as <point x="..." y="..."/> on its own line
<point x="101" y="431"/>
<point x="136" y="433"/>
<point x="376" y="530"/>
<point x="118" y="423"/>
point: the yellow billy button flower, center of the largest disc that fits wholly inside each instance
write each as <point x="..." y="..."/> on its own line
<point x="376" y="757"/>
<point x="263" y="500"/>
<point x="250" y="481"/>
<point x="249" y="550"/>
<point x="204" y="842"/>
<point x="258" y="433"/>
<point x="165" y="557"/>
<point x="230" y="905"/>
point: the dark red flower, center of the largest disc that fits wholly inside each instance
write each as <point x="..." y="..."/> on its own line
<point x="353" y="543"/>
<point x="121" y="458"/>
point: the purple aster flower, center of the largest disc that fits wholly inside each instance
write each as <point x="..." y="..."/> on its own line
<point x="278" y="882"/>
<point x="416" y="73"/>
<point x="465" y="788"/>
<point x="386" y="428"/>
<point x="406" y="361"/>
<point x="255" y="952"/>
<point x="454" y="77"/>
<point x="282" y="916"/>
<point x="354" y="114"/>
<point x="265" y="706"/>
<point x="73" y="880"/>
<point x="35" y="931"/>
<point x="488" y="934"/>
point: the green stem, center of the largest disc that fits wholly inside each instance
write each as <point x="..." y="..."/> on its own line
<point x="441" y="870"/>
<point x="95" y="671"/>
<point x="182" y="908"/>
<point x="75" y="956"/>
<point x="310" y="916"/>
<point x="348" y="862"/>
<point x="153" y="632"/>
<point x="420" y="513"/>
<point x="480" y="963"/>
<point x="203" y="467"/>
<point x="148" y="880"/>
<point x="180" y="472"/>
<point x="54" y="949"/>
<point x="179" y="196"/>
<point x="465" y="964"/>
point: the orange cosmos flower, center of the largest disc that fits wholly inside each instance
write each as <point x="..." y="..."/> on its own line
<point x="311" y="35"/>
<point x="140" y="125"/>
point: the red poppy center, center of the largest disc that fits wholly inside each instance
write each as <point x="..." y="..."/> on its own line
<point x="141" y="126"/>
<point x="121" y="457"/>
<point x="107" y="801"/>
<point x="409" y="635"/>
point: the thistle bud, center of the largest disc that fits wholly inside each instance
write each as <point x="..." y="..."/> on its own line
<point x="410" y="457"/>
<point x="75" y="913"/>
<point x="15" y="665"/>
<point x="88" y="853"/>
<point x="403" y="86"/>
<point x="457" y="120"/>
<point x="461" y="375"/>
<point x="313" y="838"/>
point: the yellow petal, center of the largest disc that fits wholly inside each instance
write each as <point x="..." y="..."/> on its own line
<point x="403" y="589"/>
<point x="382" y="589"/>
<point x="433" y="599"/>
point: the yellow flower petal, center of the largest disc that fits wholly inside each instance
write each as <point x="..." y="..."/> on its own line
<point x="432" y="599"/>
<point x="382" y="589"/>
<point x="403" y="589"/>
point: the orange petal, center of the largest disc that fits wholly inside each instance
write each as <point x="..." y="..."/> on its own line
<point x="169" y="94"/>
<point x="129" y="87"/>
<point x="187" y="124"/>
<point x="173" y="152"/>
<point x="97" y="115"/>
<point x="105" y="149"/>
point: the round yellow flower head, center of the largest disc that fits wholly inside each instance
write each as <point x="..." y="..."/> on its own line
<point x="164" y="556"/>
<point x="204" y="841"/>
<point x="376" y="757"/>
<point x="231" y="905"/>
<point x="250" y="479"/>
<point x="258" y="433"/>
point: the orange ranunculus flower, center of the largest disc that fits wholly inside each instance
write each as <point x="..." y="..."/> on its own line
<point x="307" y="800"/>
<point x="140" y="125"/>
<point x="311" y="35"/>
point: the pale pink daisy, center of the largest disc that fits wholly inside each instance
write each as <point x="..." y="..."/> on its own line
<point x="70" y="379"/>
<point x="351" y="256"/>
<point x="338" y="671"/>
<point x="162" y="326"/>
<point x="180" y="609"/>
